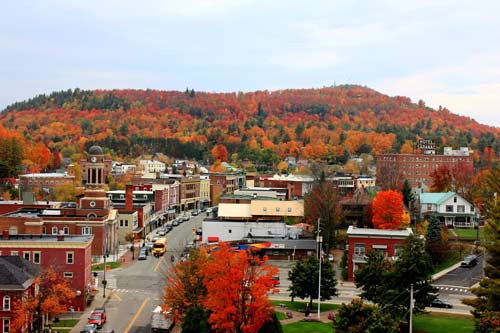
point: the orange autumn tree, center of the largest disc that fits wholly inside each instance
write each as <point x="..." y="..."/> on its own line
<point x="388" y="210"/>
<point x="54" y="297"/>
<point x="237" y="286"/>
<point x="219" y="152"/>
<point x="184" y="288"/>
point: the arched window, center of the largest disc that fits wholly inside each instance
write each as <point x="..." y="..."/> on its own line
<point x="6" y="303"/>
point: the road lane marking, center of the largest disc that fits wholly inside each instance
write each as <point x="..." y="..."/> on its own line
<point x="136" y="315"/>
<point x="158" y="264"/>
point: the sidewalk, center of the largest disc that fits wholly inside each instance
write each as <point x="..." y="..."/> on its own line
<point x="299" y="316"/>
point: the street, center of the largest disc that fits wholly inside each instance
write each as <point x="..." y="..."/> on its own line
<point x="136" y="290"/>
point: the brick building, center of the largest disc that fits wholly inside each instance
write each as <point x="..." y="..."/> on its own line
<point x="35" y="182"/>
<point x="393" y="169"/>
<point x="90" y="215"/>
<point x="363" y="240"/>
<point x="68" y="255"/>
<point x="17" y="280"/>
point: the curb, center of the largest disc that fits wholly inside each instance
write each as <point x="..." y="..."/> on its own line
<point x="439" y="275"/>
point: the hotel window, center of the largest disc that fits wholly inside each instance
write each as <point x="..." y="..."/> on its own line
<point x="6" y="303"/>
<point x="68" y="275"/>
<point x="14" y="253"/>
<point x="6" y="325"/>
<point x="44" y="230"/>
<point x="66" y="230"/>
<point x="26" y="255"/>
<point x="70" y="257"/>
<point x="289" y="209"/>
<point x="86" y="231"/>
<point x="264" y="209"/>
<point x="36" y="257"/>
<point x="54" y="230"/>
<point x="449" y="208"/>
<point x="277" y="209"/>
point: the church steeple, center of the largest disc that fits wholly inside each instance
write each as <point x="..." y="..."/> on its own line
<point x="95" y="196"/>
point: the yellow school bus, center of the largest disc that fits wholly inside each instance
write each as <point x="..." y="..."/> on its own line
<point x="160" y="246"/>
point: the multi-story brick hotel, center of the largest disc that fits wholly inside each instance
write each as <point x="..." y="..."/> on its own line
<point x="417" y="167"/>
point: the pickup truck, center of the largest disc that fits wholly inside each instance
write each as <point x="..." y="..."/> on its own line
<point x="161" y="322"/>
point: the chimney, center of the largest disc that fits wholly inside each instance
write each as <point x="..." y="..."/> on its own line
<point x="129" y="199"/>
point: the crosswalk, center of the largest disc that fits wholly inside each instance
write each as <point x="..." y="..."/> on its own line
<point x="453" y="289"/>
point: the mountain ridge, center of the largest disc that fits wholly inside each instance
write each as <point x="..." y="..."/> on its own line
<point x="322" y="123"/>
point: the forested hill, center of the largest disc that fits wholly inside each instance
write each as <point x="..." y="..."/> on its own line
<point x="327" y="123"/>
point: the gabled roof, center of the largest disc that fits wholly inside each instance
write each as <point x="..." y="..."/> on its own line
<point x="435" y="198"/>
<point x="16" y="273"/>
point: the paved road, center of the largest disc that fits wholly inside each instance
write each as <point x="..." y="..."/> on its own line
<point x="136" y="290"/>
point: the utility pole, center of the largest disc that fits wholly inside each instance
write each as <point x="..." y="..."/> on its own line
<point x="320" y="238"/>
<point x="411" y="308"/>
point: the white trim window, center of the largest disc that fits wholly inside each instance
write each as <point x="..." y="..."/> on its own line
<point x="68" y="275"/>
<point x="26" y="255"/>
<point x="70" y="257"/>
<point x="86" y="230"/>
<point x="37" y="257"/>
<point x="54" y="230"/>
<point x="6" y="325"/>
<point x="66" y="230"/>
<point x="6" y="303"/>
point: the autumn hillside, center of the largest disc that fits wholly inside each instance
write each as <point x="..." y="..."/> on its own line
<point x="264" y="126"/>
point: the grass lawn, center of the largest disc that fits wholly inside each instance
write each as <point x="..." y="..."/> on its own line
<point x="280" y="315"/>
<point x="66" y="323"/>
<point x="111" y="264"/>
<point x="308" y="327"/>
<point x="440" y="323"/>
<point x="468" y="234"/>
<point x="455" y="257"/>
<point x="300" y="306"/>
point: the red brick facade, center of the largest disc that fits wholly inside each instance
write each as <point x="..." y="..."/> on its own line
<point x="70" y="256"/>
<point x="362" y="240"/>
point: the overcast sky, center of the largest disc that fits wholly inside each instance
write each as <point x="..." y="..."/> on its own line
<point x="444" y="52"/>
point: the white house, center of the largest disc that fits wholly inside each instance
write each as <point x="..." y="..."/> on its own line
<point x="450" y="209"/>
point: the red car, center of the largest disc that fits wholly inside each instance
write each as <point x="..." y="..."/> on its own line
<point x="97" y="318"/>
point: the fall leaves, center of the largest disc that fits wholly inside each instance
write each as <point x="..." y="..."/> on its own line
<point x="388" y="211"/>
<point x="232" y="286"/>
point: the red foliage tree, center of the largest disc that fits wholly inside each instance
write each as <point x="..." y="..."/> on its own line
<point x="388" y="210"/>
<point x="54" y="297"/>
<point x="219" y="152"/>
<point x="441" y="179"/>
<point x="237" y="286"/>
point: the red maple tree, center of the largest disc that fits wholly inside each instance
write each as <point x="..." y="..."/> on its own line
<point x="237" y="285"/>
<point x="388" y="209"/>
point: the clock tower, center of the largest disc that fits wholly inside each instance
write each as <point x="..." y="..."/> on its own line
<point x="95" y="196"/>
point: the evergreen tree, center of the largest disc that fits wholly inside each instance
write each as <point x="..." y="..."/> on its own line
<point x="408" y="196"/>
<point x="436" y="246"/>
<point x="304" y="279"/>
<point x="196" y="320"/>
<point x="487" y="303"/>
<point x="388" y="283"/>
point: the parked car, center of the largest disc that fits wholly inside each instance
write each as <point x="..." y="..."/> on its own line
<point x="142" y="254"/>
<point x="89" y="328"/>
<point x="195" y="212"/>
<point x="439" y="303"/>
<point x="175" y="222"/>
<point x="199" y="231"/>
<point x="186" y="217"/>
<point x="155" y="237"/>
<point x="469" y="261"/>
<point x="168" y="227"/>
<point x="97" y="319"/>
<point x="331" y="258"/>
<point x="161" y="232"/>
<point x="103" y="311"/>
